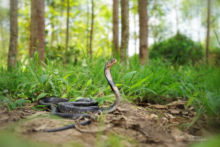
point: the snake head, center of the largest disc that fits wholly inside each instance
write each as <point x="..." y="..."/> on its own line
<point x="110" y="63"/>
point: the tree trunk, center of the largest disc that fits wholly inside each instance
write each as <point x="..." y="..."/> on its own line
<point x="208" y="31"/>
<point x="13" y="33"/>
<point x="67" y="25"/>
<point x="87" y="31"/>
<point x="125" y="30"/>
<point x="91" y="31"/>
<point x="37" y="36"/>
<point x="135" y="34"/>
<point x="143" y="22"/>
<point x="115" y="48"/>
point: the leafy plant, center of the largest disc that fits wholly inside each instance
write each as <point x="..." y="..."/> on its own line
<point x="177" y="49"/>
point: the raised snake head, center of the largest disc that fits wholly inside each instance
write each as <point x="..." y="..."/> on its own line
<point x="110" y="63"/>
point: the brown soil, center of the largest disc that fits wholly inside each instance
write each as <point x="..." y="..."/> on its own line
<point x="151" y="125"/>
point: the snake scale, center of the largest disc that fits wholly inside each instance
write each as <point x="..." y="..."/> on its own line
<point x="81" y="108"/>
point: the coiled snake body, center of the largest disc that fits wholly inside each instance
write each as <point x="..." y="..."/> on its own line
<point x="82" y="107"/>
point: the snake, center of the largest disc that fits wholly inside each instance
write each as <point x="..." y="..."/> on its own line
<point x="83" y="107"/>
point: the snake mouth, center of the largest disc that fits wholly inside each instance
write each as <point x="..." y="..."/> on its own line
<point x="111" y="63"/>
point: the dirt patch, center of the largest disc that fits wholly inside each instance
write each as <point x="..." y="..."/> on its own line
<point x="8" y="117"/>
<point x="154" y="125"/>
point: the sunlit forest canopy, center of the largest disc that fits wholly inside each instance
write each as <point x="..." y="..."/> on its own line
<point x="166" y="18"/>
<point x="55" y="23"/>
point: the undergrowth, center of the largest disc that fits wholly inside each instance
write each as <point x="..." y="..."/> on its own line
<point x="158" y="82"/>
<point x="178" y="49"/>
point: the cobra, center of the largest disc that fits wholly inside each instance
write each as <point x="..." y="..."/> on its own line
<point x="82" y="107"/>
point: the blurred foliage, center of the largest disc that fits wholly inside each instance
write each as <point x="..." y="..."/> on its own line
<point x="114" y="140"/>
<point x="59" y="54"/>
<point x="78" y="27"/>
<point x="178" y="49"/>
<point x="8" y="139"/>
<point x="211" y="142"/>
<point x="55" y="28"/>
<point x="215" y="56"/>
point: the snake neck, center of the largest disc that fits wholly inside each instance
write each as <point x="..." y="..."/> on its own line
<point x="114" y="89"/>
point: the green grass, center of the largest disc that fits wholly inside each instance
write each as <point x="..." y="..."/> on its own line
<point x="157" y="82"/>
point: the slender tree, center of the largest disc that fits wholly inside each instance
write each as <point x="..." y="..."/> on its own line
<point x="13" y="33"/>
<point x="125" y="30"/>
<point x="143" y="22"/>
<point x="135" y="33"/>
<point x="37" y="36"/>
<point x="115" y="48"/>
<point x="208" y="30"/>
<point x="92" y="29"/>
<point x="87" y="26"/>
<point x="67" y="24"/>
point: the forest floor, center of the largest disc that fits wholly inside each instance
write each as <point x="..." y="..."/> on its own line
<point x="130" y="125"/>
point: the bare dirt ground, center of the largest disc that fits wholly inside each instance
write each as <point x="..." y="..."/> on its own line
<point x="148" y="125"/>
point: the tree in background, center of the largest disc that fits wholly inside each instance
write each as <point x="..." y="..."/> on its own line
<point x="208" y="30"/>
<point x="13" y="33"/>
<point x="143" y="22"/>
<point x="67" y="24"/>
<point x="115" y="48"/>
<point x="125" y="30"/>
<point x="87" y="28"/>
<point x="134" y="33"/>
<point x="37" y="36"/>
<point x="92" y="29"/>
